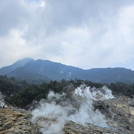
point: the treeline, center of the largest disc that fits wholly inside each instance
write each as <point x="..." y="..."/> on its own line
<point x="37" y="92"/>
<point x="120" y="88"/>
<point x="9" y="86"/>
<point x="21" y="93"/>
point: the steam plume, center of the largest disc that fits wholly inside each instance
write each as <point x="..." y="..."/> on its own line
<point x="53" y="113"/>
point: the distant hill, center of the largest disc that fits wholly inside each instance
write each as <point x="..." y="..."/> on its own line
<point x="29" y="69"/>
<point x="20" y="63"/>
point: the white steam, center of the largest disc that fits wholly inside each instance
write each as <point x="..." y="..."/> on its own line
<point x="52" y="114"/>
<point x="2" y="102"/>
<point x="94" y="93"/>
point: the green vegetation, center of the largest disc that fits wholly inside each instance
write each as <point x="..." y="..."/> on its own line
<point x="10" y="86"/>
<point x="21" y="94"/>
<point x="120" y="88"/>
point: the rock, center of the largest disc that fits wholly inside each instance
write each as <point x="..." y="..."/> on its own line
<point x="16" y="122"/>
<point x="74" y="128"/>
<point x="119" y="111"/>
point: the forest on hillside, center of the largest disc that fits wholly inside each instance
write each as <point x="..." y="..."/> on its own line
<point x="22" y="93"/>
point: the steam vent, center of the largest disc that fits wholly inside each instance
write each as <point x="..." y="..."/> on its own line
<point x="84" y="110"/>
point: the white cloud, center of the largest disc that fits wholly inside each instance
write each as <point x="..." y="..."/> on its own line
<point x="42" y="3"/>
<point x="126" y="21"/>
<point x="14" y="47"/>
<point x="84" y="34"/>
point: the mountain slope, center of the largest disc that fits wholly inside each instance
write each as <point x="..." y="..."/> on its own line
<point x="44" y="69"/>
<point x="30" y="69"/>
<point x="108" y="75"/>
<point x="20" y="63"/>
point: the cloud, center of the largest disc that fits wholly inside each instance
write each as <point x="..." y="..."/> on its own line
<point x="12" y="14"/>
<point x="85" y="34"/>
<point x="14" y="47"/>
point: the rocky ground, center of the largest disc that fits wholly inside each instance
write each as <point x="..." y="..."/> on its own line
<point x="119" y="113"/>
<point x="16" y="122"/>
<point x="74" y="128"/>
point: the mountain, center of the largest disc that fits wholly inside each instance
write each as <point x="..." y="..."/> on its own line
<point x="29" y="69"/>
<point x="19" y="63"/>
<point x="45" y="70"/>
<point x="109" y="75"/>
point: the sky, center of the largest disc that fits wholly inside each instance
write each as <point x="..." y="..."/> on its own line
<point x="82" y="33"/>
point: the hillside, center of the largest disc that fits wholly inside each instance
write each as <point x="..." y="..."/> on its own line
<point x="39" y="70"/>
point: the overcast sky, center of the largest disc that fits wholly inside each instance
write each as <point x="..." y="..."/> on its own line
<point x="82" y="33"/>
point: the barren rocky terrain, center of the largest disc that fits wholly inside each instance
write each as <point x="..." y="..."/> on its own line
<point x="119" y="113"/>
